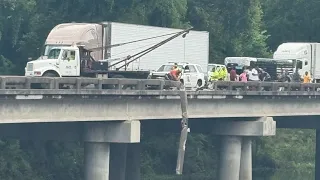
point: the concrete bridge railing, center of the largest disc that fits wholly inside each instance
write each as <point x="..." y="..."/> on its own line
<point x="264" y="86"/>
<point x="222" y="87"/>
<point x="20" y="82"/>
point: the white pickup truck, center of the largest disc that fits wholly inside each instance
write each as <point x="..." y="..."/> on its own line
<point x="192" y="78"/>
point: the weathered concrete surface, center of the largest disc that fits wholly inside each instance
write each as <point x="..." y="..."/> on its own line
<point x="246" y="159"/>
<point x="230" y="155"/>
<point x="96" y="155"/>
<point x="264" y="126"/>
<point x="96" y="161"/>
<point x="129" y="108"/>
<point x="125" y="132"/>
<point x="112" y="132"/>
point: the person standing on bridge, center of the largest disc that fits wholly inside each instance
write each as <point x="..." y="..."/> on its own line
<point x="215" y="75"/>
<point x="233" y="74"/>
<point x="175" y="74"/>
<point x="306" y="77"/>
<point x="243" y="76"/>
<point x="253" y="74"/>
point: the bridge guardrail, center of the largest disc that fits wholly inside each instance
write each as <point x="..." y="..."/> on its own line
<point x="20" y="82"/>
<point x="264" y="86"/>
<point x="231" y="87"/>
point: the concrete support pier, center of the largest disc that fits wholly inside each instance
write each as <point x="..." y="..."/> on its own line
<point x="230" y="158"/>
<point x="236" y="145"/>
<point x="118" y="158"/>
<point x="98" y="154"/>
<point x="133" y="162"/>
<point x="96" y="162"/>
<point x="246" y="159"/>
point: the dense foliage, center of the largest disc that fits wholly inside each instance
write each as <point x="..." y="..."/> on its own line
<point x="237" y="28"/>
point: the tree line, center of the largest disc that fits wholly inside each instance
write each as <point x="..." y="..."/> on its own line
<point x="236" y="27"/>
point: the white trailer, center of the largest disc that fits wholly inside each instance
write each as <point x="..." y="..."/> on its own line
<point x="307" y="52"/>
<point x="194" y="48"/>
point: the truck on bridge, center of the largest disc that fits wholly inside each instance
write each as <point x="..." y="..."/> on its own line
<point x="273" y="66"/>
<point x="115" y="50"/>
<point x="307" y="52"/>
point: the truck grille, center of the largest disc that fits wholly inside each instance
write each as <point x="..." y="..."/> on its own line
<point x="30" y="67"/>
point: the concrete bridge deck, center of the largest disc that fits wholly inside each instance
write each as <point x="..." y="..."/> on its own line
<point x="61" y="108"/>
<point x="123" y="110"/>
<point x="227" y="99"/>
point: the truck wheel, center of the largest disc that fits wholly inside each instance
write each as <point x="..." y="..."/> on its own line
<point x="49" y="74"/>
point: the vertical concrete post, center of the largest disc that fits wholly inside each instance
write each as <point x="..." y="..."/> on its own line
<point x="317" y="163"/>
<point x="230" y="158"/>
<point x="118" y="157"/>
<point x="96" y="153"/>
<point x="96" y="161"/>
<point x="246" y="159"/>
<point x="133" y="161"/>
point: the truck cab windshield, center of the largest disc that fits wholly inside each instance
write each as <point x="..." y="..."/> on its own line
<point x="54" y="54"/>
<point x="48" y="48"/>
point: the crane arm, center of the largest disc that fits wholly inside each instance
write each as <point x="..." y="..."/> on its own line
<point x="130" y="42"/>
<point x="146" y="51"/>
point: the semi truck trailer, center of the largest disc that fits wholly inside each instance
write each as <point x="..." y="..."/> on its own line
<point x="116" y="50"/>
<point x="307" y="52"/>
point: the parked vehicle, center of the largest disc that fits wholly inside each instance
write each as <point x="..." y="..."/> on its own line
<point x="192" y="74"/>
<point x="115" y="50"/>
<point x="307" y="52"/>
<point x="273" y="66"/>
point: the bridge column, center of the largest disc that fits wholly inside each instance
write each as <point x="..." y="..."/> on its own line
<point x="97" y="137"/>
<point x="236" y="148"/>
<point x="230" y="158"/>
<point x="246" y="159"/>
<point x="96" y="161"/>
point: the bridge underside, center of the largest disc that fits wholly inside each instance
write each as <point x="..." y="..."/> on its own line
<point x="108" y="108"/>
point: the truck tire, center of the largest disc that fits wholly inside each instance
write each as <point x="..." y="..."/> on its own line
<point x="49" y="74"/>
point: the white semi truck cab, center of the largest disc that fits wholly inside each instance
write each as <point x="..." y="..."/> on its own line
<point x="61" y="61"/>
<point x="307" y="52"/>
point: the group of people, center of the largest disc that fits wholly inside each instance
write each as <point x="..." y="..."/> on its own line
<point x="247" y="74"/>
<point x="255" y="74"/>
<point x="295" y="77"/>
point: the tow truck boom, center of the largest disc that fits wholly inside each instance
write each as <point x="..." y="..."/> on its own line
<point x="138" y="55"/>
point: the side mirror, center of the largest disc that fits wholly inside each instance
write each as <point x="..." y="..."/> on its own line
<point x="29" y="58"/>
<point x="186" y="70"/>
